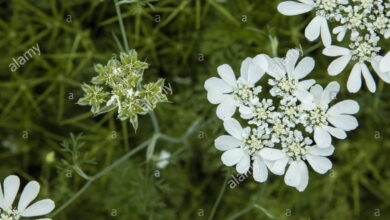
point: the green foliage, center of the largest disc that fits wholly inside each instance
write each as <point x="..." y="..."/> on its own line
<point x="183" y="41"/>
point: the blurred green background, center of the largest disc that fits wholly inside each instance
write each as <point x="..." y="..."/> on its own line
<point x="184" y="41"/>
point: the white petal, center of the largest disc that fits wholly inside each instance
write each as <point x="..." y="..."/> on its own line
<point x="215" y="83"/>
<point x="271" y="154"/>
<point x="312" y="31"/>
<point x="319" y="164"/>
<point x="321" y="151"/>
<point x="355" y="79"/>
<point x="338" y="65"/>
<point x="227" y="74"/>
<point x="304" y="67"/>
<point x="226" y="142"/>
<point x="336" y="132"/>
<point x="260" y="172"/>
<point x="255" y="73"/>
<point x="233" y="127"/>
<point x="262" y="61"/>
<point x="293" y="175"/>
<point x="276" y="68"/>
<point x="306" y="84"/>
<point x="344" y="107"/>
<point x="245" y="67"/>
<point x="317" y="91"/>
<point x="384" y="65"/>
<point x="215" y="97"/>
<point x="279" y="166"/>
<point x="291" y="59"/>
<point x="330" y="92"/>
<point x="244" y="164"/>
<point x="11" y="187"/>
<point x="293" y="8"/>
<point x="325" y="33"/>
<point x="335" y="51"/>
<point x="304" y="176"/>
<point x="304" y="96"/>
<point x="245" y="112"/>
<point x="30" y="192"/>
<point x="322" y="137"/>
<point x="340" y="31"/>
<point x="232" y="156"/>
<point x="39" y="208"/>
<point x="345" y="122"/>
<point x="227" y="108"/>
<point x="370" y="82"/>
<point x="385" y="76"/>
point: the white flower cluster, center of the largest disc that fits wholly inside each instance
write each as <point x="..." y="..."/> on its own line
<point x="279" y="126"/>
<point x="366" y="22"/>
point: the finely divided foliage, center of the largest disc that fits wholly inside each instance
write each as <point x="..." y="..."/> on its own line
<point x="366" y="22"/>
<point x="279" y="131"/>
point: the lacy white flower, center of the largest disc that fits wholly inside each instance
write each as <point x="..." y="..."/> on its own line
<point x="325" y="10"/>
<point x="366" y="21"/>
<point x="359" y="69"/>
<point x="279" y="128"/>
<point x="228" y="92"/>
<point x="319" y="117"/>
<point x="242" y="146"/>
<point x="295" y="154"/>
<point x="287" y="75"/>
<point x="8" y="194"/>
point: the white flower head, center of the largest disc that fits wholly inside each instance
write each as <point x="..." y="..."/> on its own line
<point x="296" y="155"/>
<point x="287" y="76"/>
<point x="228" y="92"/>
<point x="366" y="22"/>
<point x="328" y="121"/>
<point x="8" y="193"/>
<point x="242" y="146"/>
<point x="279" y="129"/>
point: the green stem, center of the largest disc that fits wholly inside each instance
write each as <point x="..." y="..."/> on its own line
<point x="170" y="139"/>
<point x="156" y="127"/>
<point x="125" y="136"/>
<point x="221" y="192"/>
<point x="100" y="174"/>
<point x="122" y="27"/>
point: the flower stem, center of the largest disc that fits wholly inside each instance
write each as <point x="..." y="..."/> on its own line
<point x="156" y="126"/>
<point x="124" y="134"/>
<point x="122" y="27"/>
<point x="221" y="193"/>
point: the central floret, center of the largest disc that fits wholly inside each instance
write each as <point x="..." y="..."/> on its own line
<point x="297" y="151"/>
<point x="317" y="117"/>
<point x="11" y="214"/>
<point x="244" y="93"/>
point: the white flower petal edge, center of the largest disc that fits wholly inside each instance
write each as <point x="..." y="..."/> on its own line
<point x="25" y="208"/>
